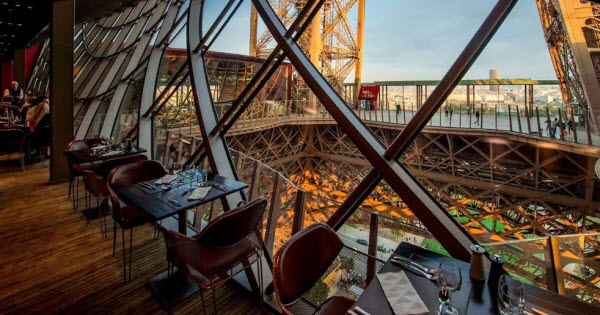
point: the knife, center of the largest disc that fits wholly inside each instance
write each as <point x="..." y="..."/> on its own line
<point x="414" y="269"/>
<point x="414" y="263"/>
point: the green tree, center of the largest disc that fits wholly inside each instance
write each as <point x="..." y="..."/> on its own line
<point x="318" y="294"/>
<point x="347" y="263"/>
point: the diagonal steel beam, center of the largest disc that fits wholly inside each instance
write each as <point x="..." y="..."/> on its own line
<point x="266" y="70"/>
<point x="432" y="104"/>
<point x="425" y="207"/>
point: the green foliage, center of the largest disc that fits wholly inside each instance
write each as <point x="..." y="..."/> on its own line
<point x="318" y="294"/>
<point x="347" y="263"/>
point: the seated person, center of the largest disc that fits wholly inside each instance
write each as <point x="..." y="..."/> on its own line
<point x="42" y="107"/>
<point x="24" y="111"/>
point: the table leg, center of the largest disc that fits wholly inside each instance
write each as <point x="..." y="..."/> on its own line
<point x="183" y="222"/>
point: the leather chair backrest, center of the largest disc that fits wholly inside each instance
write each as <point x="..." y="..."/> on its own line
<point x="107" y="166"/>
<point x="303" y="260"/>
<point x="234" y="225"/>
<point x="76" y="145"/>
<point x="12" y="140"/>
<point x="130" y="174"/>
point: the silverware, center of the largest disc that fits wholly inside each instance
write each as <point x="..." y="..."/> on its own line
<point x="217" y="186"/>
<point x="360" y="311"/>
<point x="415" y="270"/>
<point x="414" y="263"/>
<point x="146" y="185"/>
<point x="173" y="201"/>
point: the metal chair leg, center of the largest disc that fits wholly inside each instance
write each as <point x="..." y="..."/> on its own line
<point x="124" y="260"/>
<point x="203" y="303"/>
<point x="22" y="160"/>
<point x="114" y="236"/>
<point x="130" y="250"/>
<point x="76" y="192"/>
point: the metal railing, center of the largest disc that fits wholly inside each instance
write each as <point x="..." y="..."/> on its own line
<point x="539" y="122"/>
<point x="565" y="264"/>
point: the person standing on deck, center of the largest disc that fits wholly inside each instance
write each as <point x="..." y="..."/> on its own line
<point x="553" y="127"/>
<point x="477" y="118"/>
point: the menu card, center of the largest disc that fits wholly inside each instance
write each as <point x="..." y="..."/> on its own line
<point x="199" y="193"/>
<point x="400" y="293"/>
<point x="166" y="179"/>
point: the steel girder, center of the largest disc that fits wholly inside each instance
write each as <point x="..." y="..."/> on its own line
<point x="215" y="145"/>
<point x="427" y="209"/>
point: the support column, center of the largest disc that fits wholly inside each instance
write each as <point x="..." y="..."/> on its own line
<point x="19" y="68"/>
<point x="316" y="46"/>
<point x="360" y="33"/>
<point x="253" y="30"/>
<point x="61" y="86"/>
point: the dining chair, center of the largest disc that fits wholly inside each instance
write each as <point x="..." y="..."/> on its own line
<point x="13" y="141"/>
<point x="76" y="170"/>
<point x="40" y="140"/>
<point x="228" y="245"/>
<point x="95" y="183"/>
<point x="301" y="262"/>
<point x="126" y="215"/>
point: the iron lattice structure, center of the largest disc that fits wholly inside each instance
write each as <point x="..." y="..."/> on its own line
<point x="572" y="32"/>
<point x="332" y="42"/>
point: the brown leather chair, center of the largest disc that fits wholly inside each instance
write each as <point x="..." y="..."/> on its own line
<point x="227" y="246"/>
<point x="13" y="141"/>
<point x="76" y="170"/>
<point x="129" y="216"/>
<point x="96" y="185"/>
<point x="301" y="262"/>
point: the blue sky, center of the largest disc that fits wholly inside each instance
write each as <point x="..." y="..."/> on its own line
<point x="419" y="40"/>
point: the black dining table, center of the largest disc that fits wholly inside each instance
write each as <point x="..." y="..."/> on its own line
<point x="87" y="156"/>
<point x="160" y="204"/>
<point x="474" y="297"/>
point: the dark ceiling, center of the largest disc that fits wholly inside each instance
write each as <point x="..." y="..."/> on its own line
<point x="22" y="20"/>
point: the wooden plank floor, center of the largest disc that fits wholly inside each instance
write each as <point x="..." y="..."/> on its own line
<point x="51" y="262"/>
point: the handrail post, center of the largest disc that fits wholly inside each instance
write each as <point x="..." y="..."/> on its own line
<point x="587" y="127"/>
<point x="254" y="184"/>
<point x="551" y="284"/>
<point x="557" y="266"/>
<point x="459" y="115"/>
<point x="574" y="126"/>
<point x="527" y="116"/>
<point x="539" y="127"/>
<point x="496" y="117"/>
<point x="371" y="261"/>
<point x="274" y="206"/>
<point x="298" y="223"/>
<point x="519" y="120"/>
<point x="560" y="126"/>
<point x="550" y="130"/>
<point x="481" y="122"/>
<point x="509" y="119"/>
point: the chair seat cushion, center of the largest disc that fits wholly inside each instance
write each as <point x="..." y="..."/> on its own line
<point x="335" y="305"/>
<point x="79" y="168"/>
<point x="208" y="265"/>
<point x="133" y="215"/>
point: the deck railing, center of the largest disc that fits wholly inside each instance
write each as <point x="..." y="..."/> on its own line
<point x="534" y="122"/>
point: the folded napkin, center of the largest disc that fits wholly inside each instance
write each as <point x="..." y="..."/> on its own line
<point x="199" y="193"/>
<point x="110" y="153"/>
<point x="401" y="294"/>
<point x="166" y="179"/>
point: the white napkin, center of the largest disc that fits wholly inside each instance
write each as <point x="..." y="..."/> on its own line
<point x="401" y="294"/>
<point x="166" y="179"/>
<point x="109" y="153"/>
<point x="199" y="193"/>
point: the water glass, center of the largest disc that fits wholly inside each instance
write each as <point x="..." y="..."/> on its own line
<point x="450" y="281"/>
<point x="511" y="298"/>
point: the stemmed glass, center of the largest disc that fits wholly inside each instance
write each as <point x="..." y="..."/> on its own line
<point x="450" y="281"/>
<point x="511" y="299"/>
<point x="190" y="173"/>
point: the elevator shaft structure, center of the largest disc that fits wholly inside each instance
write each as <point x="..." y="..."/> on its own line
<point x="333" y="43"/>
<point x="572" y="32"/>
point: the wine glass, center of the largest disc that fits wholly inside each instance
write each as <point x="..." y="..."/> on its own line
<point x="511" y="299"/>
<point x="191" y="172"/>
<point x="450" y="281"/>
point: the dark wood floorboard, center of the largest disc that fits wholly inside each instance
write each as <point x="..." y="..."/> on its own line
<point x="51" y="262"/>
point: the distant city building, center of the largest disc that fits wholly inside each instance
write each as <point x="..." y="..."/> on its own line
<point x="494" y="75"/>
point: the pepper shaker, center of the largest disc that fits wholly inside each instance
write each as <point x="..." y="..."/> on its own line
<point x="476" y="269"/>
<point x="496" y="270"/>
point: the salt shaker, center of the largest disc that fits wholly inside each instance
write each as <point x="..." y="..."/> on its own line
<point x="476" y="269"/>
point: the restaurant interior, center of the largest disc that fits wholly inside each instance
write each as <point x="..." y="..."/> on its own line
<point x="142" y="177"/>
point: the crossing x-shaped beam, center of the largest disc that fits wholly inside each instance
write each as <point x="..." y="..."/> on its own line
<point x="448" y="232"/>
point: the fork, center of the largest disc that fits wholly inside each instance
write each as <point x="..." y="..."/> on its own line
<point x="173" y="201"/>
